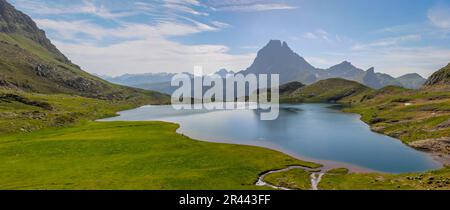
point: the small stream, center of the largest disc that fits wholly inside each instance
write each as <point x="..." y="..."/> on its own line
<point x="316" y="177"/>
<point x="315" y="180"/>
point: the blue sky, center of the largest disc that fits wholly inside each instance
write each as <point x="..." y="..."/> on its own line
<point x="115" y="37"/>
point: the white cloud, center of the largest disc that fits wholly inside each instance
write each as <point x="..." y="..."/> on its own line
<point x="310" y="35"/>
<point x="256" y="7"/>
<point x="136" y="47"/>
<point x="323" y="35"/>
<point x="153" y="55"/>
<point x="87" y="7"/>
<point x="220" y="24"/>
<point x="185" y="6"/>
<point x="145" y="48"/>
<point x="391" y="41"/>
<point x="70" y="30"/>
<point x="247" y="5"/>
<point x="439" y="16"/>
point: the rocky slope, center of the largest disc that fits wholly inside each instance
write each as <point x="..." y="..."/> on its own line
<point x="13" y="21"/>
<point x="439" y="78"/>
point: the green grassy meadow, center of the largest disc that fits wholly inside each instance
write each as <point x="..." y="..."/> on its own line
<point x="60" y="110"/>
<point x="130" y="155"/>
<point x="433" y="180"/>
<point x="297" y="178"/>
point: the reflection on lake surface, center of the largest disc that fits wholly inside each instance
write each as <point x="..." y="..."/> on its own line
<point x="311" y="131"/>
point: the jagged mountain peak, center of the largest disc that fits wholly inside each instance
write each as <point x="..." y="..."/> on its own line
<point x="371" y="70"/>
<point x="343" y="65"/>
<point x="276" y="45"/>
<point x="346" y="63"/>
<point x="276" y="57"/>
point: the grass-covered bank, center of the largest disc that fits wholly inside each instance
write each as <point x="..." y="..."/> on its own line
<point x="129" y="155"/>
<point x="26" y="112"/>
<point x="419" y="118"/>
<point x="340" y="179"/>
<point x="433" y="180"/>
<point x="408" y="115"/>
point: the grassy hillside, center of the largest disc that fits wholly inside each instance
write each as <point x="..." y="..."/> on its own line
<point x="130" y="155"/>
<point x="40" y="87"/>
<point x="329" y="90"/>
<point x="25" y="112"/>
<point x="405" y="114"/>
<point x="26" y="65"/>
<point x="420" y="118"/>
<point x="440" y="79"/>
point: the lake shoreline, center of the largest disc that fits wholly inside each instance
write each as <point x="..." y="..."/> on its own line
<point x="427" y="146"/>
<point x="327" y="164"/>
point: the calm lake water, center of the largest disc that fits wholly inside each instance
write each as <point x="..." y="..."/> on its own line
<point x="317" y="132"/>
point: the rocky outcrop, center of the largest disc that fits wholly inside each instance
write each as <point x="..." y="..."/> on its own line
<point x="441" y="77"/>
<point x="441" y="145"/>
<point x="17" y="98"/>
<point x="444" y="125"/>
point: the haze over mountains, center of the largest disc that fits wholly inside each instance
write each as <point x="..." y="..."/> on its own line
<point x="278" y="58"/>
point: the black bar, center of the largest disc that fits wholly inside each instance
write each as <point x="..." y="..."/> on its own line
<point x="265" y="199"/>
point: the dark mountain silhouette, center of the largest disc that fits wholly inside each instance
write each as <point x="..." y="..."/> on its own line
<point x="277" y="58"/>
